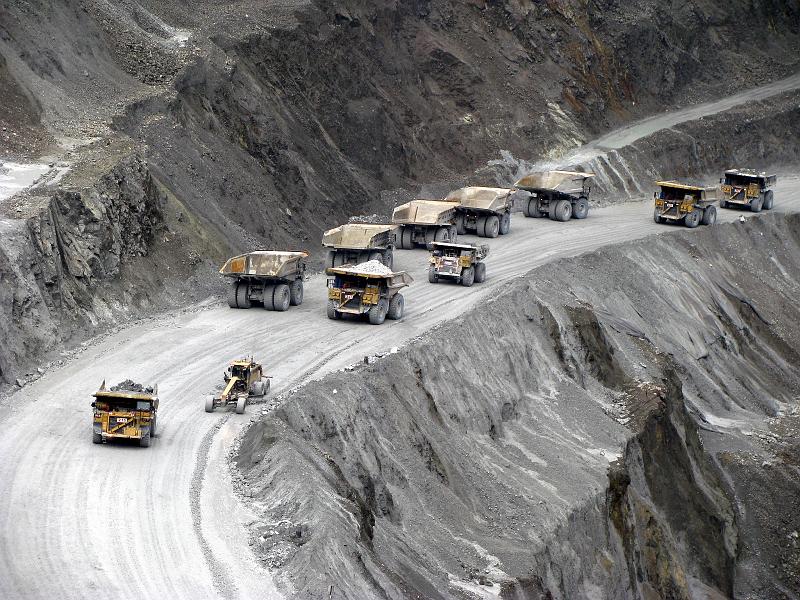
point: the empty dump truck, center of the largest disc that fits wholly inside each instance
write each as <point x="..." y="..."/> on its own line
<point x="690" y="204"/>
<point x="127" y="411"/>
<point x="745" y="187"/>
<point x="424" y="221"/>
<point x="486" y="211"/>
<point x="560" y="195"/>
<point x="460" y="263"/>
<point x="271" y="278"/>
<point x="369" y="289"/>
<point x="356" y="243"/>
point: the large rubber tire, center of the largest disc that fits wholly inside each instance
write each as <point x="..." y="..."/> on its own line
<point x="97" y="438"/>
<point x="296" y="293"/>
<point x="693" y="219"/>
<point x="331" y="309"/>
<point x="282" y="297"/>
<point x="407" y="238"/>
<point x="242" y="295"/>
<point x="657" y="216"/>
<point x="430" y="235"/>
<point x="241" y="403"/>
<point x="756" y="204"/>
<point x="492" y="227"/>
<point x="723" y="204"/>
<point x="769" y="200"/>
<point x="581" y="208"/>
<point x="461" y="224"/>
<point x="709" y="215"/>
<point x="505" y="224"/>
<point x="480" y="272"/>
<point x="396" y="307"/>
<point x="432" y="276"/>
<point x="481" y="227"/>
<point x="377" y="314"/>
<point x="153" y="428"/>
<point x="268" y="297"/>
<point x="442" y="235"/>
<point x="532" y="208"/>
<point x="232" y="295"/>
<point x="561" y="211"/>
<point x="144" y="441"/>
<point x="331" y="259"/>
<point x="210" y="404"/>
<point x="468" y="277"/>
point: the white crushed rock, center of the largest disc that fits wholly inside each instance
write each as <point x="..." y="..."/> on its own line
<point x="372" y="267"/>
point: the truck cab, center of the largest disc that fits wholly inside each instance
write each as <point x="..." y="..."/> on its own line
<point x="121" y="413"/>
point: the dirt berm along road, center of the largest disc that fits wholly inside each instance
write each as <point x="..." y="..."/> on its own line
<point x="79" y="520"/>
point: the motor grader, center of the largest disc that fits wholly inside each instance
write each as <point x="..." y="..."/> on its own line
<point x="690" y="204"/>
<point x="271" y="278"/>
<point x="484" y="210"/>
<point x="368" y="289"/>
<point x="127" y="411"/>
<point x="461" y="263"/>
<point x="244" y="379"/>
<point x="560" y="195"/>
<point x="747" y="188"/>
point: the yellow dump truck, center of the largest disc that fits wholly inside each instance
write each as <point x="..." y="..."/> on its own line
<point x="127" y="411"/>
<point x="356" y="243"/>
<point x="244" y="379"/>
<point x="368" y="289"/>
<point x="560" y="195"/>
<point x="273" y="279"/>
<point x="484" y="210"/>
<point x="689" y="204"/>
<point x="460" y="263"/>
<point x="424" y="221"/>
<point x="747" y="188"/>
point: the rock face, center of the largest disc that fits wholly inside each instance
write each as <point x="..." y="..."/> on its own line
<point x="611" y="427"/>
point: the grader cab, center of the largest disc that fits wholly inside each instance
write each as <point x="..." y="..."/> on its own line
<point x="244" y="379"/>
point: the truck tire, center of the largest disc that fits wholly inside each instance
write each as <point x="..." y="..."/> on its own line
<point x="296" y="293"/>
<point x="375" y="256"/>
<point x="505" y="224"/>
<point x="144" y="441"/>
<point x="407" y="238"/>
<point x="561" y="211"/>
<point x="232" y="295"/>
<point x="480" y="272"/>
<point x="468" y="277"/>
<point x="240" y="405"/>
<point x="97" y="438"/>
<point x="332" y="314"/>
<point x="432" y="276"/>
<point x="491" y="228"/>
<point x="693" y="219"/>
<point x="210" y="404"/>
<point x="442" y="235"/>
<point x="243" y="295"/>
<point x="268" y="297"/>
<point x="756" y="204"/>
<point x="657" y="216"/>
<point x="461" y="224"/>
<point x="581" y="209"/>
<point x="709" y="215"/>
<point x="396" y="308"/>
<point x="282" y="297"/>
<point x="723" y="204"/>
<point x="377" y="314"/>
<point x="533" y="208"/>
<point x="769" y="200"/>
<point x="453" y="234"/>
<point x="153" y="428"/>
<point x="388" y="259"/>
<point x="331" y="259"/>
<point x="480" y="226"/>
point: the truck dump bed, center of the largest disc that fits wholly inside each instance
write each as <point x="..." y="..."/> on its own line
<point x="482" y="198"/>
<point x="424" y="212"/>
<point x="567" y="182"/>
<point x="769" y="180"/>
<point x="676" y="189"/>
<point x="481" y="250"/>
<point x="360" y="236"/>
<point x="264" y="263"/>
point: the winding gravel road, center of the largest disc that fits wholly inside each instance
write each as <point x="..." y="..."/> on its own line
<point x="81" y="521"/>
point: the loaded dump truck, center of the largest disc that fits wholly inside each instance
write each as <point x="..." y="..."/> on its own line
<point x="356" y="243"/>
<point x="244" y="379"/>
<point x="370" y="289"/>
<point x="748" y="188"/>
<point x="560" y="195"/>
<point x="425" y="221"/>
<point x="690" y="204"/>
<point x="486" y="211"/>
<point x="461" y="263"/>
<point x="127" y="411"/>
<point x="272" y="279"/>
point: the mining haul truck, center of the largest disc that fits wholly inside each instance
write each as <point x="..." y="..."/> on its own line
<point x="272" y="279"/>
<point x="244" y="379"/>
<point x="690" y="204"/>
<point x="356" y="243"/>
<point x="367" y="289"/>
<point x="125" y="412"/>
<point x="425" y="221"/>
<point x="747" y="188"/>
<point x="560" y="195"/>
<point x="461" y="263"/>
<point x="486" y="211"/>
